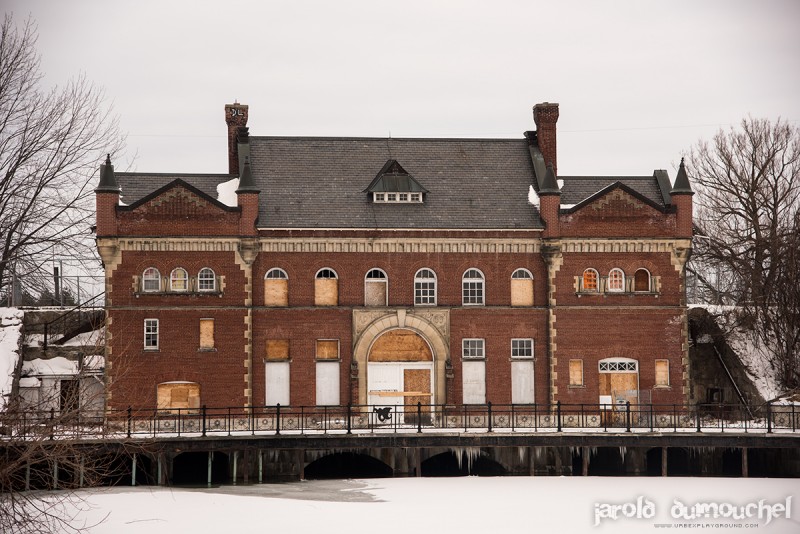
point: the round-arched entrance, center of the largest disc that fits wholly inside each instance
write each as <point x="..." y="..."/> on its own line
<point x="400" y="372"/>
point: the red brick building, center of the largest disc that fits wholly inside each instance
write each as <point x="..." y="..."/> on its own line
<point x="392" y="271"/>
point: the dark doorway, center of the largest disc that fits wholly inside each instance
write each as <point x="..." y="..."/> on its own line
<point x="347" y="465"/>
<point x="69" y="397"/>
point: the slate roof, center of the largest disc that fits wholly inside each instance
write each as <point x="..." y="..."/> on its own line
<point x="137" y="185"/>
<point x="309" y="182"/>
<point x="578" y="188"/>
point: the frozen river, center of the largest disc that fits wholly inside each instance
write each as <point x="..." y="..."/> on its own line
<point x="461" y="505"/>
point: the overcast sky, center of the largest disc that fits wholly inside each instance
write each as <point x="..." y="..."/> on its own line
<point x="637" y="83"/>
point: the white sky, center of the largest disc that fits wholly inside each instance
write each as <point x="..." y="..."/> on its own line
<point x="638" y="82"/>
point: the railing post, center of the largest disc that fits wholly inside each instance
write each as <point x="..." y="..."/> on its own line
<point x="489" y="414"/>
<point x="697" y="415"/>
<point x="465" y="418"/>
<point x="44" y="344"/>
<point x="419" y="417"/>
<point x="129" y="421"/>
<point x="204" y="420"/>
<point x="769" y="417"/>
<point x="349" y="417"/>
<point x="627" y="416"/>
<point x="278" y="418"/>
<point x="651" y="417"/>
<point x="558" y="416"/>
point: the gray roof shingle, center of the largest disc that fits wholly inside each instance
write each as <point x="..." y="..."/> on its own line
<point x="579" y="188"/>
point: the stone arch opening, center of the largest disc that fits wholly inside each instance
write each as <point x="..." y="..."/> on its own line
<point x="461" y="463"/>
<point x="347" y="465"/>
<point x="191" y="469"/>
<point x="606" y="461"/>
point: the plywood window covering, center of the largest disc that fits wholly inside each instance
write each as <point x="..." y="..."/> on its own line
<point x="327" y="383"/>
<point x="616" y="280"/>
<point x="326" y="288"/>
<point x="662" y="372"/>
<point x="327" y="349"/>
<point x="277" y="349"/>
<point x="641" y="280"/>
<point x="206" y="333"/>
<point x="206" y="280"/>
<point x="277" y="383"/>
<point x="276" y="288"/>
<point x="472" y="291"/>
<point x="179" y="280"/>
<point x="576" y="372"/>
<point x="522" y="288"/>
<point x="174" y="396"/>
<point x="522" y="382"/>
<point x="590" y="280"/>
<point x="474" y="382"/>
<point x="151" y="280"/>
<point x="375" y="288"/>
<point x="151" y="334"/>
<point x="425" y="288"/>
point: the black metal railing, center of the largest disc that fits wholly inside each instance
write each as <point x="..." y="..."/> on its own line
<point x="307" y="420"/>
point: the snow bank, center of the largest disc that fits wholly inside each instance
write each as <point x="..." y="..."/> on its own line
<point x="10" y="332"/>
<point x="226" y="192"/>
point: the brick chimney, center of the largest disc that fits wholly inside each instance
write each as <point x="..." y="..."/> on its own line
<point x="235" y="118"/>
<point x="106" y="200"/>
<point x="545" y="115"/>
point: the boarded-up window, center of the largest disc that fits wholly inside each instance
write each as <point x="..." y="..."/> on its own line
<point x="576" y="372"/>
<point x="641" y="280"/>
<point x="522" y="288"/>
<point x="277" y="349"/>
<point x="589" y="280"/>
<point x="276" y="288"/>
<point x="522" y="382"/>
<point x="206" y="333"/>
<point x="327" y="383"/>
<point x="175" y="396"/>
<point x="375" y="288"/>
<point x="327" y="349"/>
<point x="326" y="288"/>
<point x="474" y="381"/>
<point x="277" y="383"/>
<point x="662" y="372"/>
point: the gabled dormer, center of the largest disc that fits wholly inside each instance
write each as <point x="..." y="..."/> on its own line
<point x="393" y="185"/>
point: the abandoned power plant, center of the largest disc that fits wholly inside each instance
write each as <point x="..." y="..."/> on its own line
<point x="363" y="307"/>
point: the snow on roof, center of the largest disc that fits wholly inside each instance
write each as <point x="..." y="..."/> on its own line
<point x="60" y="366"/>
<point x="226" y="192"/>
<point x="10" y="331"/>
<point x="533" y="197"/>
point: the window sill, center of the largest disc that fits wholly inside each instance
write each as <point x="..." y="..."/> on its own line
<point x="576" y="386"/>
<point x="617" y="293"/>
<point x="332" y="360"/>
<point x="207" y="349"/>
<point x="151" y="350"/>
<point x="662" y="386"/>
<point x="138" y="294"/>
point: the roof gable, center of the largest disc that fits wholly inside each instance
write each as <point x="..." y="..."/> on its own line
<point x="626" y="196"/>
<point x="393" y="178"/>
<point x="179" y="196"/>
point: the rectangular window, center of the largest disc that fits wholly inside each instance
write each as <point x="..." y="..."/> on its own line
<point x="277" y="349"/>
<point x="327" y="349"/>
<point x="403" y="197"/>
<point x="662" y="373"/>
<point x="522" y="382"/>
<point x="474" y="378"/>
<point x="327" y="383"/>
<point x="391" y="197"/>
<point x="277" y="382"/>
<point x="576" y="372"/>
<point x="379" y="197"/>
<point x="522" y="348"/>
<point x="151" y="334"/>
<point x="416" y="197"/>
<point x="206" y="333"/>
<point x="472" y="349"/>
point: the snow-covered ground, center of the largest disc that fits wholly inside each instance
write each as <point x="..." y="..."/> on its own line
<point x="443" y="505"/>
<point x="10" y="331"/>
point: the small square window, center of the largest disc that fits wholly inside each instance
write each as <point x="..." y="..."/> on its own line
<point x="522" y="348"/>
<point x="391" y="197"/>
<point x="472" y="349"/>
<point x="380" y="197"/>
<point x="403" y="197"/>
<point x="415" y="197"/>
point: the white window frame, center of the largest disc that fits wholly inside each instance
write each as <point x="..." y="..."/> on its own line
<point x="321" y="272"/>
<point x="276" y="273"/>
<point x="618" y="365"/>
<point x="202" y="277"/>
<point x="518" y="346"/>
<point x="479" y="287"/>
<point x="151" y="334"/>
<point x="615" y="289"/>
<point x="384" y="279"/>
<point x="526" y="274"/>
<point x="173" y="278"/>
<point x="418" y="281"/>
<point x="145" y="279"/>
<point x="397" y="197"/>
<point x="473" y="348"/>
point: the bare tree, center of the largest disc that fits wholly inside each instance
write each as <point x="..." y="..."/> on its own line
<point x="51" y="145"/>
<point x="748" y="218"/>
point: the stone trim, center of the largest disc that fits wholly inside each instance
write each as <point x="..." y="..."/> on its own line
<point x="400" y="245"/>
<point x="623" y="245"/>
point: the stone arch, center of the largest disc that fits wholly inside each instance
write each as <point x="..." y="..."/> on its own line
<point x="408" y="321"/>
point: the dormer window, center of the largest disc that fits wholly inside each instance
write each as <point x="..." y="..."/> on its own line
<point x="393" y="185"/>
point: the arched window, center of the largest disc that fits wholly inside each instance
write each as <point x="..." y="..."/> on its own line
<point x="276" y="288"/>
<point x="522" y="288"/>
<point x="375" y="288"/>
<point x="641" y="281"/>
<point x="472" y="292"/>
<point x="206" y="280"/>
<point x="589" y="280"/>
<point x="179" y="280"/>
<point x="326" y="288"/>
<point x="616" y="280"/>
<point x="425" y="288"/>
<point x="151" y="280"/>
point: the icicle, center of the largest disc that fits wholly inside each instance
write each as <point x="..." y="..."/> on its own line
<point x="622" y="452"/>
